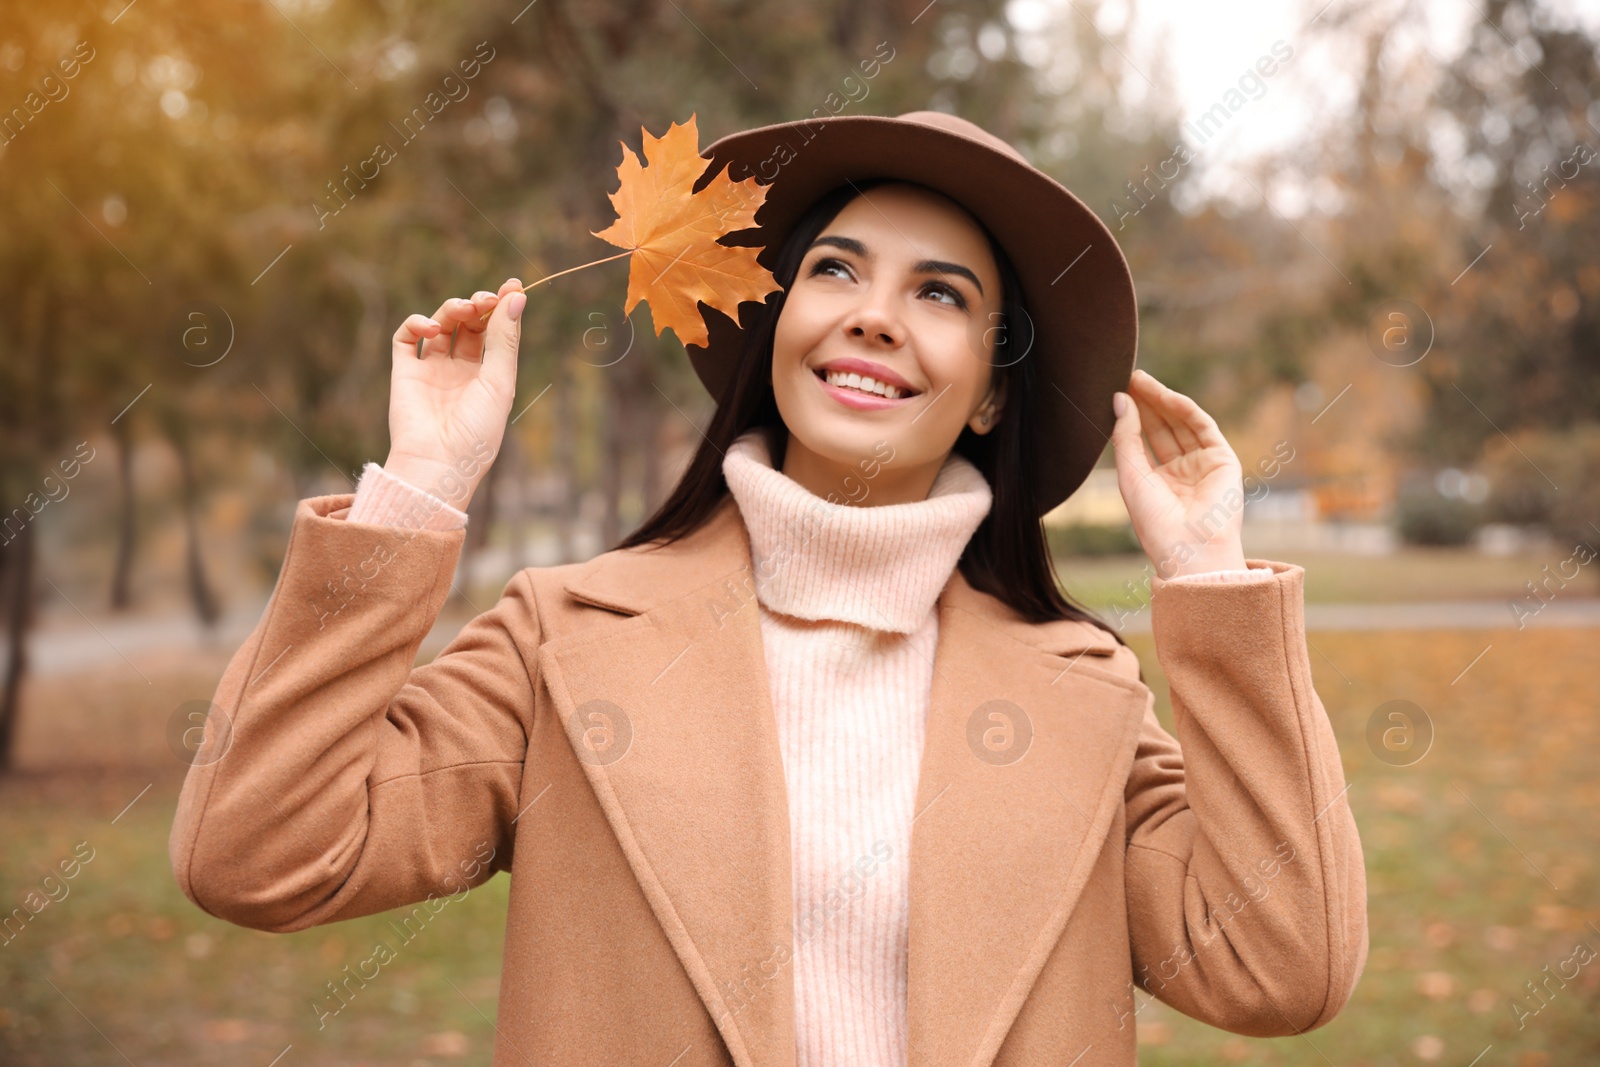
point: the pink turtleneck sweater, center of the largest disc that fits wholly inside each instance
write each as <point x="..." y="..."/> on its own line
<point x="847" y="599"/>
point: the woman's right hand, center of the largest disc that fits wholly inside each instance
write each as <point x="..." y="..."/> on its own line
<point x="447" y="410"/>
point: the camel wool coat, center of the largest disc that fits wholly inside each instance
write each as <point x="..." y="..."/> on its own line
<point x="604" y="733"/>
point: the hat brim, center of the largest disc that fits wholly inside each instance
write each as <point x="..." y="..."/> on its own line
<point x="1075" y="279"/>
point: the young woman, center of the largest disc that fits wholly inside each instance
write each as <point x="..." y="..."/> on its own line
<point x="818" y="766"/>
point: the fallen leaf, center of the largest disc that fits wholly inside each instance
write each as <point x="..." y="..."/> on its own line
<point x="450" y="1043"/>
<point x="1435" y="985"/>
<point x="226" y="1031"/>
<point x="1154" y="1033"/>
<point x="1427" y="1048"/>
<point x="673" y="234"/>
<point x="1500" y="938"/>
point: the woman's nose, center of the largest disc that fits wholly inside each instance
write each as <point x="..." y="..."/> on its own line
<point x="874" y="319"/>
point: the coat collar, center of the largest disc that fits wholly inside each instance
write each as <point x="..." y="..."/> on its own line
<point x="669" y="712"/>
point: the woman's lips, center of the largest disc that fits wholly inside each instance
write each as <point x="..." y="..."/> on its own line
<point x="862" y="401"/>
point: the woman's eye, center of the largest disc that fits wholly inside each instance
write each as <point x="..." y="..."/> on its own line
<point x="824" y="265"/>
<point x="956" y="299"/>
<point x="838" y="268"/>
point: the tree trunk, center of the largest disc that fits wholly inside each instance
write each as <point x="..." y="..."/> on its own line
<point x="566" y="463"/>
<point x="486" y="504"/>
<point x="647" y="416"/>
<point x="299" y="483"/>
<point x="200" y="594"/>
<point x="516" y="509"/>
<point x="16" y="601"/>
<point x="127" y="527"/>
<point x="480" y="517"/>
<point x="613" y="418"/>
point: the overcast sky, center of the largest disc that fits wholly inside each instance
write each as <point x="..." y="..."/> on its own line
<point x="1211" y="45"/>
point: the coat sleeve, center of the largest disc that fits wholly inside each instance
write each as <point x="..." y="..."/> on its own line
<point x="335" y="779"/>
<point x="1246" y="887"/>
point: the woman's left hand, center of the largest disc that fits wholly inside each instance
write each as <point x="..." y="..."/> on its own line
<point x="1188" y="510"/>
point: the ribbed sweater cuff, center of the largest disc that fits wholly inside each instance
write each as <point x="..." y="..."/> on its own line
<point x="383" y="499"/>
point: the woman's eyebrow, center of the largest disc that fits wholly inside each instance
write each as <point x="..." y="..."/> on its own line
<point x="924" y="266"/>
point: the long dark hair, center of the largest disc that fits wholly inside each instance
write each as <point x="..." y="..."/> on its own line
<point x="1007" y="556"/>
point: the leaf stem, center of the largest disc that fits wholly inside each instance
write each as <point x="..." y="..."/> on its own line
<point x="569" y="270"/>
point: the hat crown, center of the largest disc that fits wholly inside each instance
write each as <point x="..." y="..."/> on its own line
<point x="956" y="124"/>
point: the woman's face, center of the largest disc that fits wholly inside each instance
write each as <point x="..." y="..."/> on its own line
<point x="899" y="288"/>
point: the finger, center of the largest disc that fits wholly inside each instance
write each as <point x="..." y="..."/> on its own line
<point x="1173" y="409"/>
<point x="474" y="316"/>
<point x="1127" y="442"/>
<point x="468" y="341"/>
<point x="1190" y="419"/>
<point x="414" y="329"/>
<point x="453" y="310"/>
<point x="449" y="317"/>
<point x="1163" y="442"/>
<point x="510" y="285"/>
<point x="457" y="315"/>
<point x="503" y="336"/>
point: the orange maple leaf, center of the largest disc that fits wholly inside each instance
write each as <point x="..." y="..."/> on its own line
<point x="672" y="232"/>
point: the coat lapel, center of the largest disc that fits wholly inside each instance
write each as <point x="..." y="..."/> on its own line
<point x="668" y="710"/>
<point x="1028" y="747"/>
<point x="669" y="713"/>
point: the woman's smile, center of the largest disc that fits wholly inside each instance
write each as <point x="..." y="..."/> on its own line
<point x="863" y="384"/>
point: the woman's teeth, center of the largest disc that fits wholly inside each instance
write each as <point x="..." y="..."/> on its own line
<point x="863" y="385"/>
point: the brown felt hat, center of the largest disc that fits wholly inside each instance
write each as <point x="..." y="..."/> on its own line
<point x="1075" y="281"/>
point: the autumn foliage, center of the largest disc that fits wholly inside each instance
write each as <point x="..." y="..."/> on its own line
<point x="678" y="261"/>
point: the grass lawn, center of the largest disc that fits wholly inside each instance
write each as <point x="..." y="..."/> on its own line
<point x="1482" y="862"/>
<point x="1410" y="574"/>
<point x="1483" y="858"/>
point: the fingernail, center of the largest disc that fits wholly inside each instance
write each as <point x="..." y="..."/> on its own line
<point x="1119" y="404"/>
<point x="514" y="304"/>
<point x="431" y="322"/>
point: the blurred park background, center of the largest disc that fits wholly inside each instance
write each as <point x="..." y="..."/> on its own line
<point x="1365" y="237"/>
